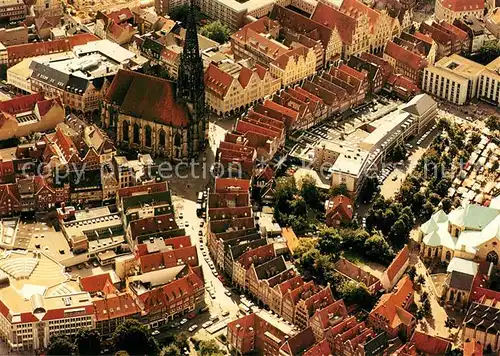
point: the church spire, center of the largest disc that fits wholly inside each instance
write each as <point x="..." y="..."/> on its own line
<point x="190" y="83"/>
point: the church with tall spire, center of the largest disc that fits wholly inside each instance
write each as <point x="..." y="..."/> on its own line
<point x="159" y="116"/>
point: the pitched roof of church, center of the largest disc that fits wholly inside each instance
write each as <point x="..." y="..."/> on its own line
<point x="146" y="97"/>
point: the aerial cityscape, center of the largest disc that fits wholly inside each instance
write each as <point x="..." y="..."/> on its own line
<point x="250" y="177"/>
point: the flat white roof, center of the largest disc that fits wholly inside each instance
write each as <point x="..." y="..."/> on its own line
<point x="107" y="48"/>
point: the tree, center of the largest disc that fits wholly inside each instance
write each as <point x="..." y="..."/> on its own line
<point x="412" y="272"/>
<point x="427" y="211"/>
<point x="495" y="166"/>
<point x="398" y="234"/>
<point x="133" y="337"/>
<point x="450" y="323"/>
<point x="424" y="296"/>
<point x="493" y="123"/>
<point x="355" y="293"/>
<point x="340" y="189"/>
<point x="181" y="340"/>
<point x="475" y="138"/>
<point x="216" y="31"/>
<point x="418" y="201"/>
<point x="88" y="342"/>
<point x="426" y="306"/>
<point x="421" y="280"/>
<point x="309" y="191"/>
<point x="209" y="348"/>
<point x="446" y="204"/>
<point x="61" y="345"/>
<point x="398" y="153"/>
<point x="377" y="248"/>
<point x="330" y="241"/>
<point x="170" y="350"/>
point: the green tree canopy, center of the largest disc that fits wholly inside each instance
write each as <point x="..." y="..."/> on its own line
<point x="330" y="242"/>
<point x="493" y="123"/>
<point x="180" y="13"/>
<point x="355" y="293"/>
<point x="170" y="350"/>
<point x="88" y="342"/>
<point x="210" y="348"/>
<point x="377" y="248"/>
<point x="216" y="31"/>
<point x="61" y="345"/>
<point x="133" y="337"/>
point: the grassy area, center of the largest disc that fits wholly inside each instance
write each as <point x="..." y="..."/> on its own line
<point x="354" y="257"/>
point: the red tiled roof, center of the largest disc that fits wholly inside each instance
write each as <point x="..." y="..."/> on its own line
<point x="356" y="273"/>
<point x="167" y="259"/>
<point x="461" y="34"/>
<point x="45" y="105"/>
<point x="142" y="189"/>
<point x="95" y="283"/>
<point x="146" y="97"/>
<point x="122" y="15"/>
<point x="245" y="76"/>
<point x="342" y="206"/>
<point x="18" y="52"/>
<point x="150" y="225"/>
<point x="54" y="314"/>
<point x="405" y="56"/>
<point x="320" y="349"/>
<point x="294" y="54"/>
<point x="115" y="306"/>
<point x="21" y="104"/>
<point x="463" y="5"/>
<point x="333" y="18"/>
<point x="217" y="81"/>
<point x="430" y="345"/>
<point x="404" y="83"/>
<point x="257" y="255"/>
<point x="299" y="343"/>
<point x="223" y="185"/>
<point x="399" y="261"/>
<point x="423" y="37"/>
<point x="355" y="8"/>
<point x="335" y="309"/>
<point x="353" y="72"/>
<point x="260" y="70"/>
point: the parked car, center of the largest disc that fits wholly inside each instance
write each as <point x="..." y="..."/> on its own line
<point x="186" y="223"/>
<point x="181" y="215"/>
<point x="228" y="293"/>
<point x="155" y="332"/>
<point x="200" y="233"/>
<point x="225" y="313"/>
<point x="193" y="328"/>
<point x="201" y="223"/>
<point x="207" y="324"/>
<point x="214" y="318"/>
<point x="184" y="321"/>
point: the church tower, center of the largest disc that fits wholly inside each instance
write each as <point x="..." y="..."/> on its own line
<point x="191" y="86"/>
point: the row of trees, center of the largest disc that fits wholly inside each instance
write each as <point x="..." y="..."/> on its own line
<point x="130" y="338"/>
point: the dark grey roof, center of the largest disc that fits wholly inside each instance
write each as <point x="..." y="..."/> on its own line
<point x="376" y="345"/>
<point x="58" y="79"/>
<point x="362" y="65"/>
<point x="422" y="45"/>
<point x="271" y="268"/>
<point x="250" y="242"/>
<point x="86" y="180"/>
<point x="483" y="317"/>
<point x="461" y="281"/>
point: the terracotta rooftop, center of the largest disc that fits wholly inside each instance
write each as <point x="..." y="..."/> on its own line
<point x="217" y="81"/>
<point x="430" y="345"/>
<point x="335" y="310"/>
<point x="355" y="8"/>
<point x="117" y="305"/>
<point x="95" y="283"/>
<point x="334" y="19"/>
<point x="399" y="261"/>
<point x="320" y="349"/>
<point x="147" y="97"/>
<point x="405" y="56"/>
<point x="463" y="5"/>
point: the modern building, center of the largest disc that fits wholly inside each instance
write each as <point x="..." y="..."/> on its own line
<point x="489" y="83"/>
<point x="81" y="79"/>
<point x="455" y="79"/>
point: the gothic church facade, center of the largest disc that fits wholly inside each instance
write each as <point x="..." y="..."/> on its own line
<point x="159" y="116"/>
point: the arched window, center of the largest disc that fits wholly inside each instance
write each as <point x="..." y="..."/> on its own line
<point x="137" y="130"/>
<point x="125" y="130"/>
<point x="148" y="136"/>
<point x="429" y="252"/>
<point x="452" y="296"/>
<point x="492" y="257"/>
<point x="161" y="140"/>
<point x="448" y="255"/>
<point x="435" y="252"/>
<point x="459" y="297"/>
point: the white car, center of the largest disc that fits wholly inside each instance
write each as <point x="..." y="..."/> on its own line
<point x="207" y="324"/>
<point x="186" y="223"/>
<point x="155" y="332"/>
<point x="193" y="328"/>
<point x="184" y="321"/>
<point x="225" y="313"/>
<point x="181" y="215"/>
<point x="228" y="293"/>
<point x="216" y="274"/>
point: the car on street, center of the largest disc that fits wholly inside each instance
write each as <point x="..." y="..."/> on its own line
<point x="214" y="318"/>
<point x="212" y="295"/>
<point x="181" y="215"/>
<point x="394" y="178"/>
<point x="204" y="253"/>
<point x="95" y="264"/>
<point x="186" y="223"/>
<point x="225" y="313"/>
<point x="215" y="273"/>
<point x="201" y="223"/>
<point x="155" y="332"/>
<point x="200" y="233"/>
<point x="193" y="328"/>
<point x="184" y="321"/>
<point x="228" y="293"/>
<point x="207" y="324"/>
